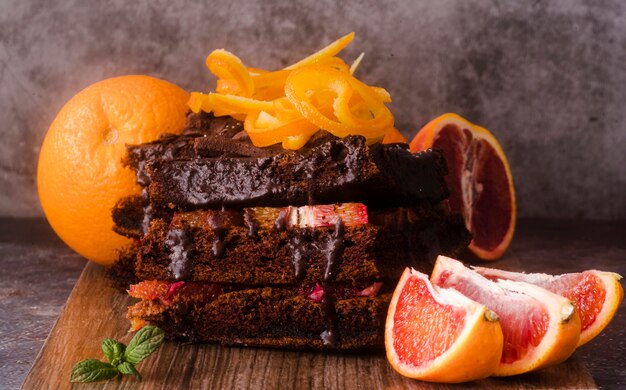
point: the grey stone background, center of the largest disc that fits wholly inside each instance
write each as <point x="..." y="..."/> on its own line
<point x="548" y="78"/>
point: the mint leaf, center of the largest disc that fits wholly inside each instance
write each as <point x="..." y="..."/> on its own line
<point x="129" y="369"/>
<point x="113" y="350"/>
<point x="122" y="359"/>
<point x="146" y="341"/>
<point x="92" y="370"/>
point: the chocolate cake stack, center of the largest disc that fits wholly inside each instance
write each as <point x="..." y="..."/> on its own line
<point x="269" y="247"/>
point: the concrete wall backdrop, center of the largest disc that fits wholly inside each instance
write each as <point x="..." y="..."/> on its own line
<point x="547" y="77"/>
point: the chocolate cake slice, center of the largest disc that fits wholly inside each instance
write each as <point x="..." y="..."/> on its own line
<point x="242" y="245"/>
<point x="263" y="246"/>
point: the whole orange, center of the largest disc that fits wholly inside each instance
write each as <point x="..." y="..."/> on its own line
<point x="80" y="176"/>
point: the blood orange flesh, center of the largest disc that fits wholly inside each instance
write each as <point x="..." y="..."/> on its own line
<point x="540" y="328"/>
<point x="414" y="345"/>
<point x="595" y="294"/>
<point x="478" y="180"/>
<point x="587" y="294"/>
<point x="585" y="290"/>
<point x="523" y="322"/>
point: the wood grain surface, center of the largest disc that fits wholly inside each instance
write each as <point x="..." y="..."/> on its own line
<point x="94" y="311"/>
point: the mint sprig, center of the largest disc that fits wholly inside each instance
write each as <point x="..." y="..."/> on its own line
<point x="122" y="359"/>
<point x="113" y="350"/>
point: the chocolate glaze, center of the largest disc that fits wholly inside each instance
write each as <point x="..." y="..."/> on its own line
<point x="329" y="336"/>
<point x="148" y="212"/>
<point x="204" y="136"/>
<point x="167" y="148"/>
<point x="216" y="222"/>
<point x="180" y="245"/>
<point x="334" y="250"/>
<point x="281" y="221"/>
<point x="309" y="168"/>
<point x="251" y="223"/>
<point x="300" y="251"/>
<point x="377" y="175"/>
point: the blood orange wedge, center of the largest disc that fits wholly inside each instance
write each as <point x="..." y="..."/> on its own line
<point x="479" y="178"/>
<point x="540" y="328"/>
<point x="596" y="294"/>
<point x="438" y="335"/>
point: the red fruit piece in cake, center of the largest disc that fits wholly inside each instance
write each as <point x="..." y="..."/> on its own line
<point x="352" y="213"/>
<point x="317" y="216"/>
<point x="317" y="294"/>
<point x="371" y="290"/>
<point x="307" y="216"/>
<point x="327" y="215"/>
<point x="149" y="290"/>
<point x="153" y="289"/>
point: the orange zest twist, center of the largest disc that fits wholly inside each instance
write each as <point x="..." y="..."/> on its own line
<point x="288" y="106"/>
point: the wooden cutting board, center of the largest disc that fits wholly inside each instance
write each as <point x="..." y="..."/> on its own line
<point x="95" y="311"/>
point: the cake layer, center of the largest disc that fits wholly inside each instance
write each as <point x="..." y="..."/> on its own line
<point x="259" y="246"/>
<point x="204" y="136"/>
<point x="214" y="165"/>
<point x="337" y="170"/>
<point x="270" y="317"/>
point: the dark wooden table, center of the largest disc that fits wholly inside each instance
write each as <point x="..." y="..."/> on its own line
<point x="38" y="272"/>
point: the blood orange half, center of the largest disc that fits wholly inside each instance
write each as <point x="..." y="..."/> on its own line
<point x="540" y="328"/>
<point x="596" y="294"/>
<point x="479" y="178"/>
<point x="439" y="335"/>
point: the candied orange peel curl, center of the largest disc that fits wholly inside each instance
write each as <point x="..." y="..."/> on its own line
<point x="288" y="106"/>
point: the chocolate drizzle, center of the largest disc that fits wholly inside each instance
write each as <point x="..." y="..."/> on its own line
<point x="329" y="336"/>
<point x="281" y="221"/>
<point x="334" y="249"/>
<point x="251" y="223"/>
<point x="219" y="232"/>
<point x="148" y="212"/>
<point x="332" y="253"/>
<point x="310" y="183"/>
<point x="307" y="176"/>
<point x="300" y="251"/>
<point x="179" y="244"/>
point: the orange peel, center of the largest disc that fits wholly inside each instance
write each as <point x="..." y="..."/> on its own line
<point x="289" y="105"/>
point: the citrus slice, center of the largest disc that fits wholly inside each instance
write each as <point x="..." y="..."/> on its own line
<point x="596" y="294"/>
<point x="540" y="328"/>
<point x="479" y="179"/>
<point x="438" y="335"/>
